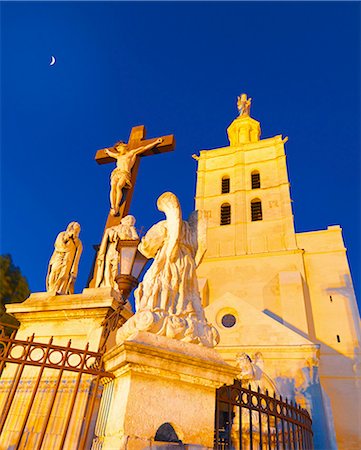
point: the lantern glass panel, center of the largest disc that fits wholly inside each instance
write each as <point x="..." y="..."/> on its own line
<point x="127" y="255"/>
<point x="139" y="263"/>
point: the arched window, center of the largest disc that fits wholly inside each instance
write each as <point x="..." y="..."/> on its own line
<point x="256" y="209"/>
<point x="225" y="214"/>
<point x="225" y="184"/>
<point x="255" y="179"/>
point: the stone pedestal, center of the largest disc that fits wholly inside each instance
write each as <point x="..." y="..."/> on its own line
<point x="77" y="317"/>
<point x="160" y="380"/>
<point x="244" y="130"/>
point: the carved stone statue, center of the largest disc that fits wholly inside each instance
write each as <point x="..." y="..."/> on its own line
<point x="108" y="256"/>
<point x="168" y="301"/>
<point x="245" y="365"/>
<point x="121" y="175"/>
<point x="244" y="105"/>
<point x="251" y="372"/>
<point x="63" y="264"/>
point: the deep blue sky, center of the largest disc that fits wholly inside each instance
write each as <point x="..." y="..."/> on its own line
<point x="176" y="68"/>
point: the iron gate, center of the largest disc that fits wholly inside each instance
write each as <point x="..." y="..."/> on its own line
<point x="252" y="420"/>
<point x="48" y="394"/>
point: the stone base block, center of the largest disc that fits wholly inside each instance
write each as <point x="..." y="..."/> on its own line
<point x="160" y="380"/>
<point x="77" y="317"/>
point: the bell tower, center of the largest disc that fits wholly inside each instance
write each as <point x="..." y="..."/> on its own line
<point x="245" y="189"/>
<point x="268" y="289"/>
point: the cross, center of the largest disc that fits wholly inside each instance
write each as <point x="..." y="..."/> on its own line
<point x="136" y="139"/>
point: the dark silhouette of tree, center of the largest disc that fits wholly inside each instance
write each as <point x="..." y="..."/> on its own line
<point x="14" y="287"/>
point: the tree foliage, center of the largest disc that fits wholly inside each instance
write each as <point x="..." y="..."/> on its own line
<point x="14" y="287"/>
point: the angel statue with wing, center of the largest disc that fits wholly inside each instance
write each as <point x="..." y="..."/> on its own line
<point x="168" y="302"/>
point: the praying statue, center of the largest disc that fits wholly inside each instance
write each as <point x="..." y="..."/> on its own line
<point x="121" y="175"/>
<point x="63" y="264"/>
<point x="167" y="301"/>
<point x="244" y="105"/>
<point x="108" y="255"/>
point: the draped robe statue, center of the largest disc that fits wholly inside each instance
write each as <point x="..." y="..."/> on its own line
<point x="108" y="255"/>
<point x="63" y="264"/>
<point x="168" y="302"/>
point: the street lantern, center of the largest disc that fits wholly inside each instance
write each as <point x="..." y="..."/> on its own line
<point x="131" y="265"/>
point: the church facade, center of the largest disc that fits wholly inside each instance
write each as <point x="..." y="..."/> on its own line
<point x="283" y="298"/>
<point x="242" y="326"/>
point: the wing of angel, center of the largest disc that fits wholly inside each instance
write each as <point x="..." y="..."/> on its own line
<point x="198" y="226"/>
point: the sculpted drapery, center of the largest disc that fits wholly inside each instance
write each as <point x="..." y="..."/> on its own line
<point x="63" y="264"/>
<point x="168" y="302"/>
<point x="108" y="255"/>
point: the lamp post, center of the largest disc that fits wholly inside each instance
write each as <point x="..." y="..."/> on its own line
<point x="130" y="267"/>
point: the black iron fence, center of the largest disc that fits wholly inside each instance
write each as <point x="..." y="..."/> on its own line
<point x="49" y="394"/>
<point x="252" y="420"/>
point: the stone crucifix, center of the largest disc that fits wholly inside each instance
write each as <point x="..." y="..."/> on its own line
<point x="127" y="157"/>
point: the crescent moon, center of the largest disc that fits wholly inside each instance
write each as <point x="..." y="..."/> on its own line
<point x="52" y="62"/>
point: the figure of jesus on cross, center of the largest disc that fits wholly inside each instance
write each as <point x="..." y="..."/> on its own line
<point x="121" y="176"/>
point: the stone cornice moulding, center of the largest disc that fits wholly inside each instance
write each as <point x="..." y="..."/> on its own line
<point x="169" y="358"/>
